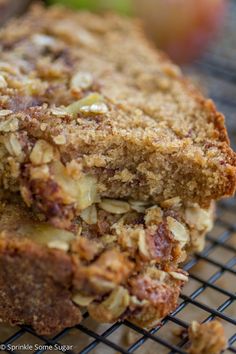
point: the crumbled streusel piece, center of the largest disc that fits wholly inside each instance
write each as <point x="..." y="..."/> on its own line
<point x="207" y="338"/>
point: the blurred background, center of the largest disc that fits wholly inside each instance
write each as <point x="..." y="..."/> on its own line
<point x="183" y="28"/>
<point x="199" y="35"/>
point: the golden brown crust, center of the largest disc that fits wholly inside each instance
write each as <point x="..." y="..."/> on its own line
<point x="151" y="135"/>
<point x="35" y="287"/>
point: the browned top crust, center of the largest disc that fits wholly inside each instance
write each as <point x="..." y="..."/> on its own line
<point x="88" y="90"/>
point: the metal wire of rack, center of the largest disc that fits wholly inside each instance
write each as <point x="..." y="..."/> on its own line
<point x="211" y="292"/>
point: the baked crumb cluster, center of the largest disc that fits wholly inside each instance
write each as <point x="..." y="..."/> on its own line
<point x="110" y="163"/>
<point x="207" y="338"/>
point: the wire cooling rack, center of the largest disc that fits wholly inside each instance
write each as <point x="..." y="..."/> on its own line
<point x="210" y="292"/>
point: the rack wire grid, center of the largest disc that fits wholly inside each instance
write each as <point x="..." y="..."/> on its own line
<point x="210" y="292"/>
